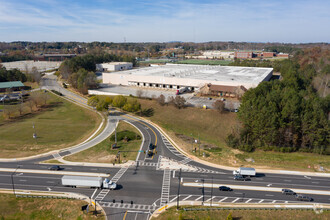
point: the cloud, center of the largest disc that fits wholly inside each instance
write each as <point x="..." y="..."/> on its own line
<point x="152" y="20"/>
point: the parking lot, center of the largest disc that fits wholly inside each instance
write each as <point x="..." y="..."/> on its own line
<point x="154" y="93"/>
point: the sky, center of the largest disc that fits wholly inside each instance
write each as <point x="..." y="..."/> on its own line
<point x="285" y="21"/>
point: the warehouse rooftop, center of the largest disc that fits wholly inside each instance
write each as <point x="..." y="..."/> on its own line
<point x="230" y="74"/>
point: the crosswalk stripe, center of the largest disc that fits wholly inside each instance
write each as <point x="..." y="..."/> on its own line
<point x="198" y="198"/>
<point x="261" y="201"/>
<point x="235" y="200"/>
<point x="273" y="201"/>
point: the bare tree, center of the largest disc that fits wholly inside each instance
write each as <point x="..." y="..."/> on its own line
<point x="30" y="104"/>
<point x="9" y="111"/>
<point x="35" y="98"/>
<point x="161" y="100"/>
<point x="20" y="108"/>
<point x="45" y="97"/>
<point x="35" y="74"/>
<point x="219" y="105"/>
<point x="139" y="93"/>
<point x="179" y="101"/>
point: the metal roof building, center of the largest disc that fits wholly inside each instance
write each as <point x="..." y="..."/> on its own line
<point x="174" y="76"/>
<point x="11" y="85"/>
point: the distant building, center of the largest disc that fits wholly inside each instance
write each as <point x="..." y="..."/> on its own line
<point x="213" y="54"/>
<point x="114" y="66"/>
<point x="244" y="54"/>
<point x="54" y="57"/>
<point x="251" y="54"/>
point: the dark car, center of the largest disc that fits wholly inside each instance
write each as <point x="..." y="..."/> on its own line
<point x="225" y="188"/>
<point x="55" y="167"/>
<point x="241" y="178"/>
<point x="288" y="192"/>
<point x="150" y="153"/>
<point x="304" y="198"/>
<point x="152" y="146"/>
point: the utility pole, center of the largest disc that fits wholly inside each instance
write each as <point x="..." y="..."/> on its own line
<point x="212" y="192"/>
<point x="178" y="196"/>
<point x="203" y="192"/>
<point x="199" y="145"/>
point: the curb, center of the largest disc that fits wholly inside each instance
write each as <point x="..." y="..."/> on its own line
<point x="63" y="149"/>
<point x="313" y="206"/>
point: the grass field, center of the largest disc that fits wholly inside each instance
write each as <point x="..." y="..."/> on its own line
<point x="189" y="124"/>
<point x="61" y="124"/>
<point x="40" y="208"/>
<point x="102" y="152"/>
<point x="205" y="62"/>
<point x="173" y="214"/>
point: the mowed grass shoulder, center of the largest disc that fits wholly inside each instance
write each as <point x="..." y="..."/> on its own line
<point x="41" y="208"/>
<point x="173" y="214"/>
<point x="61" y="124"/>
<point x="102" y="152"/>
<point x="189" y="124"/>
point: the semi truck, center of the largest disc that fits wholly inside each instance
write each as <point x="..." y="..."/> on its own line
<point x="88" y="181"/>
<point x="245" y="171"/>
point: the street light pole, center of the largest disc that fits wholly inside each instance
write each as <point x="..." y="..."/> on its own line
<point x="212" y="192"/>
<point x="12" y="179"/>
<point x="178" y="196"/>
<point x="203" y="191"/>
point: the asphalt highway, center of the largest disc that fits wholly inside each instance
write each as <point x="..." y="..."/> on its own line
<point x="144" y="187"/>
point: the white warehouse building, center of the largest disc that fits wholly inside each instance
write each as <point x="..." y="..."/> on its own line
<point x="114" y="66"/>
<point x="176" y="76"/>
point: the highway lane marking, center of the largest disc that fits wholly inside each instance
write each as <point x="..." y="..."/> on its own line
<point x="210" y="199"/>
<point x="261" y="201"/>
<point x="286" y="202"/>
<point x="248" y="200"/>
<point x="22" y="180"/>
<point x="316" y="182"/>
<point x="186" y="198"/>
<point x="53" y="172"/>
<point x="307" y="177"/>
<point x="223" y="199"/>
<point x="269" y="195"/>
<point x="235" y="200"/>
<point x="274" y="201"/>
<point x="287" y="180"/>
<point x="50" y="182"/>
<point x="174" y="199"/>
<point x="198" y="198"/>
<point x="125" y="215"/>
<point x="256" y="188"/>
<point x="140" y="121"/>
<point x="41" y="186"/>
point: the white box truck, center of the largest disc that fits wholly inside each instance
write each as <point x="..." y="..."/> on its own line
<point x="88" y="181"/>
<point x="245" y="171"/>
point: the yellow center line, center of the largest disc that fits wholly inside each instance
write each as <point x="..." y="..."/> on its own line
<point x="125" y="215"/>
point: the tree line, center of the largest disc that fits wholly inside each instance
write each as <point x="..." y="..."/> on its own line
<point x="285" y="115"/>
<point x="11" y="75"/>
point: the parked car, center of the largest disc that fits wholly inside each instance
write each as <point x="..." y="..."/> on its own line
<point x="55" y="167"/>
<point x="303" y="198"/>
<point x="288" y="192"/>
<point x="225" y="188"/>
<point x="241" y="178"/>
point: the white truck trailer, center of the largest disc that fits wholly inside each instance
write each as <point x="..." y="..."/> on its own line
<point x="245" y="171"/>
<point x="88" y="181"/>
